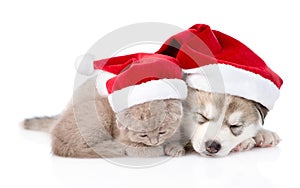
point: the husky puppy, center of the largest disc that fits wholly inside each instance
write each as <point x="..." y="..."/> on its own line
<point x="220" y="123"/>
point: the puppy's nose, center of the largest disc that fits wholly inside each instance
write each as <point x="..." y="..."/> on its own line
<point x="212" y="146"/>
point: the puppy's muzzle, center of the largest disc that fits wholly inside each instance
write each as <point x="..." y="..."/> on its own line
<point x="212" y="146"/>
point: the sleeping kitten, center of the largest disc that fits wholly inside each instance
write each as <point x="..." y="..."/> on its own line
<point x="88" y="128"/>
<point x="151" y="124"/>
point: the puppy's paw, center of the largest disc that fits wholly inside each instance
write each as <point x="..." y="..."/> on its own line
<point x="174" y="150"/>
<point x="266" y="138"/>
<point x="245" y="145"/>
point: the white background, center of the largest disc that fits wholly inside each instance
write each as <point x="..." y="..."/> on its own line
<point x="39" y="42"/>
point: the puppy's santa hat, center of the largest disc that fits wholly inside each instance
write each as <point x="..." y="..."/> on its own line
<point x="216" y="62"/>
<point x="139" y="78"/>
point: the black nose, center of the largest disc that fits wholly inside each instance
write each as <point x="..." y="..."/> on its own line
<point x="212" y="146"/>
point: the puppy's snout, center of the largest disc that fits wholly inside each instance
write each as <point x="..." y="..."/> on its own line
<point x="212" y="146"/>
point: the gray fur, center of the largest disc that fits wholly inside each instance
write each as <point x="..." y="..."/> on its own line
<point x="43" y="124"/>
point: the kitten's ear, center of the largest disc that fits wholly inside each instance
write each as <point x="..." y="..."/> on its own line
<point x="263" y="111"/>
<point x="174" y="109"/>
<point x="157" y="105"/>
<point x="174" y="104"/>
<point x="120" y="125"/>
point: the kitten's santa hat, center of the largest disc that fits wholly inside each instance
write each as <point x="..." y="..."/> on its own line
<point x="216" y="62"/>
<point x="139" y="78"/>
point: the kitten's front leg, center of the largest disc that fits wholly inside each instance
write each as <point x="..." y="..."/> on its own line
<point x="174" y="149"/>
<point x="109" y="149"/>
<point x="153" y="151"/>
<point x="174" y="146"/>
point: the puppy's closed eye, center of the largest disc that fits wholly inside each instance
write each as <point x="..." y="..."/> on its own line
<point x="236" y="129"/>
<point x="201" y="118"/>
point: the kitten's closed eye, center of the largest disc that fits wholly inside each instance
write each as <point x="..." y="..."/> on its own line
<point x="143" y="135"/>
<point x="162" y="132"/>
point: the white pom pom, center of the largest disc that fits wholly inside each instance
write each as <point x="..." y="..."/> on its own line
<point x="102" y="78"/>
<point x="84" y="64"/>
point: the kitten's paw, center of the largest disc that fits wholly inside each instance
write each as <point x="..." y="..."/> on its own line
<point x="266" y="138"/>
<point x="174" y="150"/>
<point x="245" y="145"/>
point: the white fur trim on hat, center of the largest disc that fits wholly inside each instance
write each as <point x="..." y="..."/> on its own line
<point x="233" y="81"/>
<point x="102" y="78"/>
<point x="148" y="91"/>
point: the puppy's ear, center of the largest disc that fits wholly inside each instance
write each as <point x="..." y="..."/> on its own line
<point x="263" y="111"/>
<point x="171" y="48"/>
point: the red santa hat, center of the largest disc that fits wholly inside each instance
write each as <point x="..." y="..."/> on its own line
<point x="140" y="78"/>
<point x="111" y="67"/>
<point x="216" y="62"/>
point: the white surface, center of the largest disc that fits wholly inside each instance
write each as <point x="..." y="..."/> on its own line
<point x="39" y="42"/>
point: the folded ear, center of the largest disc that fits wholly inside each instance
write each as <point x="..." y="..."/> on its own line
<point x="174" y="110"/>
<point x="263" y="111"/>
<point x="121" y="126"/>
<point x="174" y="105"/>
<point x="170" y="48"/>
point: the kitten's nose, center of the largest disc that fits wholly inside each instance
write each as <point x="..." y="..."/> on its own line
<point x="212" y="146"/>
<point x="153" y="141"/>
